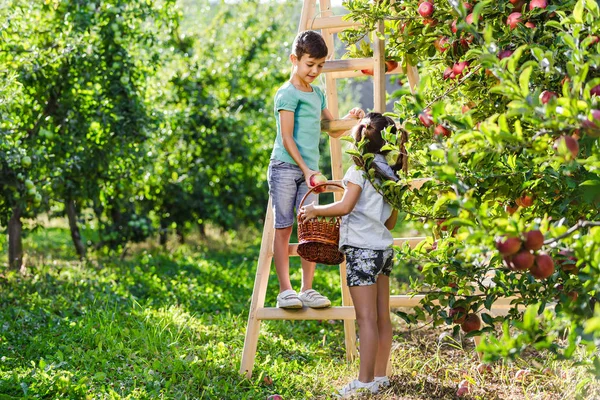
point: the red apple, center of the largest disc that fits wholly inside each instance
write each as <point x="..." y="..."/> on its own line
<point x="459" y="68"/>
<point x="513" y="20"/>
<point x="509" y="246"/>
<point x="472" y="323"/>
<point x="543" y="266"/>
<point x="425" y="118"/>
<point x="426" y="9"/>
<point x="462" y="391"/>
<point x="591" y="125"/>
<point x="521" y="375"/>
<point x="275" y="397"/>
<point x="469" y="18"/>
<point x="511" y="207"/>
<point x="546" y="96"/>
<point x="317" y="179"/>
<point x="440" y="130"/>
<point x="448" y="73"/>
<point x="526" y="200"/>
<point x="441" y="44"/>
<point x="504" y="53"/>
<point x="530" y="25"/>
<point x="467" y="6"/>
<point x="453" y="27"/>
<point x="595" y="91"/>
<point x="484" y="368"/>
<point x="523" y="260"/>
<point x="390" y="65"/>
<point x="537" y="4"/>
<point x="367" y="71"/>
<point x="567" y="261"/>
<point x="458" y="314"/>
<point x="534" y="240"/>
<point x="567" y="145"/>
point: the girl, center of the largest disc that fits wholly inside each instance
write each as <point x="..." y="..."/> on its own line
<point x="366" y="241"/>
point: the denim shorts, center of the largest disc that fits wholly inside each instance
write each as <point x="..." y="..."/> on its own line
<point x="287" y="186"/>
<point x="364" y="265"/>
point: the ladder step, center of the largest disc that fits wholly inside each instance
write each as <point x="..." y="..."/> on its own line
<point x="341" y="312"/>
<point x="348" y="65"/>
<point x="347" y="312"/>
<point x="333" y="23"/>
<point x="412" y="241"/>
<point x="338" y="125"/>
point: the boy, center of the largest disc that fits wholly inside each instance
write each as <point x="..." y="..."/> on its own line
<point x="299" y="108"/>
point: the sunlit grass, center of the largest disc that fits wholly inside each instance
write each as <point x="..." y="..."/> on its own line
<point x="171" y="324"/>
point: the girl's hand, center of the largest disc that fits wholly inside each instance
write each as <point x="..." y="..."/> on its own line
<point x="307" y="175"/>
<point x="308" y="212"/>
<point x="357" y="113"/>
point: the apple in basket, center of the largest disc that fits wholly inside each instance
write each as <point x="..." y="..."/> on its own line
<point x="317" y="179"/>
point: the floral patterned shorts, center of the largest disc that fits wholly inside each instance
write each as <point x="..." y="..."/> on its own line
<point x="364" y="265"/>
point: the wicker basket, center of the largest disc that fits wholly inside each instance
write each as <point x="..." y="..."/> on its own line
<point x="318" y="240"/>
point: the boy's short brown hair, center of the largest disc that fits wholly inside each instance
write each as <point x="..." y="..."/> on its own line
<point x="311" y="43"/>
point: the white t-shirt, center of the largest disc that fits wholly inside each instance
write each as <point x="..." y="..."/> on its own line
<point x="365" y="227"/>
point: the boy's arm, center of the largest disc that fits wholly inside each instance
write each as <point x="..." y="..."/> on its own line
<point x="286" y="122"/>
<point x="391" y="221"/>
<point x="337" y="209"/>
<point x="355" y="113"/>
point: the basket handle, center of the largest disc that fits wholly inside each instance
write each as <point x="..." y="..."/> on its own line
<point x="316" y="186"/>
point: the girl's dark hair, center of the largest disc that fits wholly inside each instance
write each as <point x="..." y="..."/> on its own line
<point x="311" y="43"/>
<point x="370" y="129"/>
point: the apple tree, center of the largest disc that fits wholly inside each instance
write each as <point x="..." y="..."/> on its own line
<point x="505" y="123"/>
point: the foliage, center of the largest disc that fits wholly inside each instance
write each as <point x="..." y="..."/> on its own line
<point x="489" y="124"/>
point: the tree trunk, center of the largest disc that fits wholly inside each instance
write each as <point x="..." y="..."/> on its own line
<point x="164" y="233"/>
<point x="180" y="235"/>
<point x="15" y="244"/>
<point x="75" y="235"/>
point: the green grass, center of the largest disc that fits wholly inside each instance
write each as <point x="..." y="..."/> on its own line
<point x="172" y="324"/>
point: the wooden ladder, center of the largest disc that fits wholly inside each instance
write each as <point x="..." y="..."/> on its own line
<point x="333" y="69"/>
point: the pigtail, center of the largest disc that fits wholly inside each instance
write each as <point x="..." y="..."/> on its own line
<point x="402" y="160"/>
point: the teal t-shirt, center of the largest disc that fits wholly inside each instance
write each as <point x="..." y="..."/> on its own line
<point x="307" y="107"/>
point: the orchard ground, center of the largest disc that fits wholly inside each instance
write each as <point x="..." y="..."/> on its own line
<point x="171" y="324"/>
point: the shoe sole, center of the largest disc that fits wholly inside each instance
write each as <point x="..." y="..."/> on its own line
<point x="319" y="307"/>
<point x="290" y="307"/>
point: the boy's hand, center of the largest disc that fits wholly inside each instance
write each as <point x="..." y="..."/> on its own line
<point x="308" y="174"/>
<point x="356" y="112"/>
<point x="308" y="212"/>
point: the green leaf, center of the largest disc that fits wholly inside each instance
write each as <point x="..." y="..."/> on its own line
<point x="524" y="81"/>
<point x="578" y="11"/>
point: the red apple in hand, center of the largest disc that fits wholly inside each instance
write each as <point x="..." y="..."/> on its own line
<point x="426" y="9"/>
<point x="316" y="179"/>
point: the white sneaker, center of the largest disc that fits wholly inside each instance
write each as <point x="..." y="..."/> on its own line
<point x="357" y="387"/>
<point x="382" y="381"/>
<point x="289" y="299"/>
<point x="313" y="299"/>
